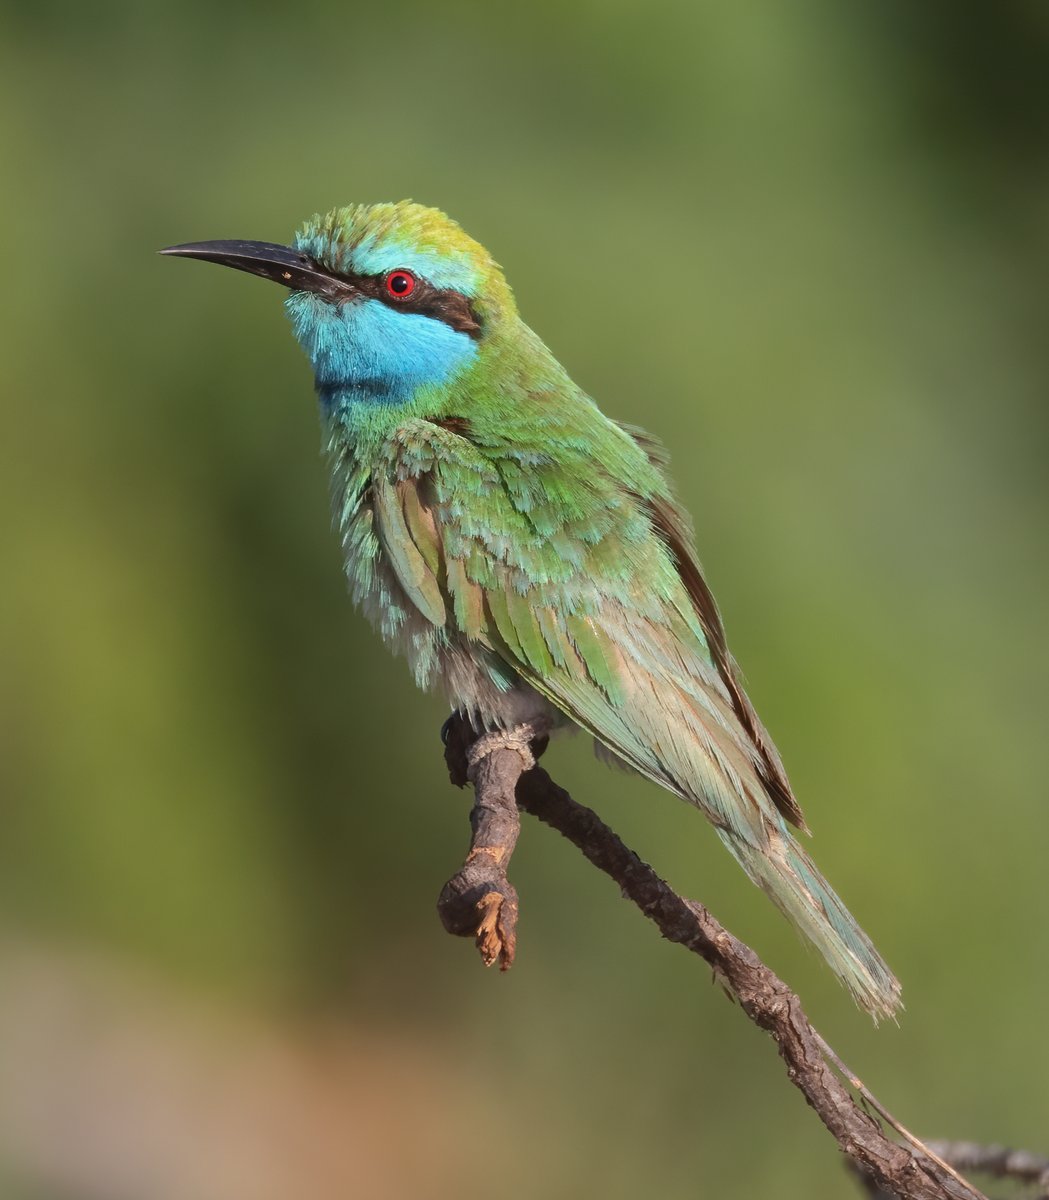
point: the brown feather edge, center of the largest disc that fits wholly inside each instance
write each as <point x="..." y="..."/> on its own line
<point x="674" y="531"/>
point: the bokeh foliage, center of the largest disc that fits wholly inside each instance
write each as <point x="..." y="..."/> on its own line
<point x="806" y="245"/>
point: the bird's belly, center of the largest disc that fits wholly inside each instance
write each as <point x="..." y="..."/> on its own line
<point x="493" y="697"/>
<point x="475" y="680"/>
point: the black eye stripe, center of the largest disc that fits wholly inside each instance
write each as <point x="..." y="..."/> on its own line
<point x="443" y="304"/>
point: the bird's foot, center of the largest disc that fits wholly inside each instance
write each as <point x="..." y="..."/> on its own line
<point x="519" y="738"/>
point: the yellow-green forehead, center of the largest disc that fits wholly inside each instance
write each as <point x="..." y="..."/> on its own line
<point x="371" y="239"/>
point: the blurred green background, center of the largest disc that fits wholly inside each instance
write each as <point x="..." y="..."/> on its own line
<point x="805" y="244"/>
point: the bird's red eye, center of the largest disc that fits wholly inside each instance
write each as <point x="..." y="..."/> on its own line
<point x="400" y="284"/>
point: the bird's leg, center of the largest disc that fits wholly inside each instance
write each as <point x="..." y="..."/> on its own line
<point x="479" y="901"/>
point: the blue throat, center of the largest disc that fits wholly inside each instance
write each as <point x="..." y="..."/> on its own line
<point x="366" y="353"/>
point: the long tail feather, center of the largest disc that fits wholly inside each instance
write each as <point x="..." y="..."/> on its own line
<point x="790" y="878"/>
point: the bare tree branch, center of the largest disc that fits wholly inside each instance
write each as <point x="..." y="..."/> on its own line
<point x="1031" y="1171"/>
<point x="480" y="902"/>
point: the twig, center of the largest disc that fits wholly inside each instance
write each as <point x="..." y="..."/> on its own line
<point x="479" y="901"/>
<point x="997" y="1162"/>
<point x="870" y="1101"/>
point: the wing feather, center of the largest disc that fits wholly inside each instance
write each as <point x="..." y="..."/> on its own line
<point x="620" y="633"/>
<point x="574" y="572"/>
<point x="410" y="566"/>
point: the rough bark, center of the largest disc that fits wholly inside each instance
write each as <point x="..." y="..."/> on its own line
<point x="480" y="902"/>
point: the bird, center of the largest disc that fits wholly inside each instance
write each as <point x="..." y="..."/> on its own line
<point x="524" y="552"/>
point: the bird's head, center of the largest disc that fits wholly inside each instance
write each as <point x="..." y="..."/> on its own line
<point x="386" y="299"/>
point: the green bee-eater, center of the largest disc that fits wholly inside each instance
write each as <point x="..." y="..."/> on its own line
<point x="524" y="552"/>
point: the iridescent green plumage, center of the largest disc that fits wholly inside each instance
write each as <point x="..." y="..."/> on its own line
<point x="526" y="553"/>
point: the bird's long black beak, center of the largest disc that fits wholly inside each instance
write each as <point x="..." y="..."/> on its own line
<point x="282" y="264"/>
